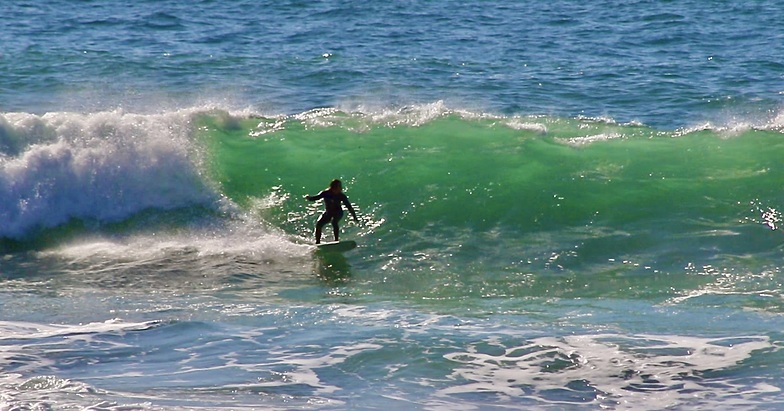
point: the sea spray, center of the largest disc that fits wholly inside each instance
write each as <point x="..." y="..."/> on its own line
<point x="101" y="167"/>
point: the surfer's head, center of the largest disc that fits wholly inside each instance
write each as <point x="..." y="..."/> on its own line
<point x="336" y="185"/>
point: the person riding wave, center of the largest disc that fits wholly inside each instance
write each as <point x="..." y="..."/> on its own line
<point x="333" y="211"/>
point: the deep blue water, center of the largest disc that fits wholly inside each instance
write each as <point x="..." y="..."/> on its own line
<point x="667" y="64"/>
<point x="563" y="205"/>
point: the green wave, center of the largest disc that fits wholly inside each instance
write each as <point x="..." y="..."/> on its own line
<point x="464" y="207"/>
<point x="522" y="174"/>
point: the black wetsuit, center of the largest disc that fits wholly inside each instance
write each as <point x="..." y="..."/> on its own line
<point x="333" y="211"/>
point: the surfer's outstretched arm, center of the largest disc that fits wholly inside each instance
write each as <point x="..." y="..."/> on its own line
<point x="318" y="196"/>
<point x="350" y="209"/>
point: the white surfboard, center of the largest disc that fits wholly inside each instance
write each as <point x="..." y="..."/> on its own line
<point x="337" y="246"/>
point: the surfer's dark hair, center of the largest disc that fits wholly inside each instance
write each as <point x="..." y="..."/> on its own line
<point x="335" y="183"/>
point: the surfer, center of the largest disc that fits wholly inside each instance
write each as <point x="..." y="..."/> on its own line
<point x="333" y="197"/>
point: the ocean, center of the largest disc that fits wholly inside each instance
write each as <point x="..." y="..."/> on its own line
<point x="562" y="205"/>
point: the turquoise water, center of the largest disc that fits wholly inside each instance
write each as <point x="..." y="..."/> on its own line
<point x="561" y="205"/>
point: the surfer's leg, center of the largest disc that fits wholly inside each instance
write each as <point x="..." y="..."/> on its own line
<point x="320" y="224"/>
<point x="335" y="226"/>
<point x="336" y="229"/>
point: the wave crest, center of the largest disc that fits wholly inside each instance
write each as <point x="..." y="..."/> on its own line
<point x="103" y="166"/>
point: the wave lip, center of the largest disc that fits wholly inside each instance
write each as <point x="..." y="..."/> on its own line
<point x="101" y="167"/>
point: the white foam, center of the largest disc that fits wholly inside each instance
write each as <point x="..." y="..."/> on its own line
<point x="614" y="371"/>
<point x="586" y="140"/>
<point x="227" y="242"/>
<point x="15" y="330"/>
<point x="102" y="166"/>
<point x="516" y="123"/>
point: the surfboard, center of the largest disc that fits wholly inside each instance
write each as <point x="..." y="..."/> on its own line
<point x="337" y="246"/>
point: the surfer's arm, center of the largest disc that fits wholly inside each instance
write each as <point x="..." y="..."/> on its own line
<point x="350" y="209"/>
<point x="318" y="196"/>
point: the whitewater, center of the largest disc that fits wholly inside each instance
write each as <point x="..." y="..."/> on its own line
<point x="561" y="206"/>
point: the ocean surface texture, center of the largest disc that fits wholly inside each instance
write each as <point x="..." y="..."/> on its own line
<point x="563" y="205"/>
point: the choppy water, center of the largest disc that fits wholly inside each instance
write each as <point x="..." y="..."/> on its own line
<point x="563" y="206"/>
